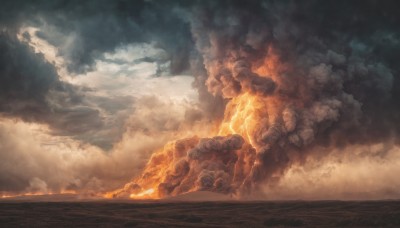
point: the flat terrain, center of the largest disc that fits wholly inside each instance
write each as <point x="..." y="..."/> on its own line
<point x="200" y="214"/>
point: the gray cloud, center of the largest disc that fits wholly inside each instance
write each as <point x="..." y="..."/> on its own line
<point x="32" y="90"/>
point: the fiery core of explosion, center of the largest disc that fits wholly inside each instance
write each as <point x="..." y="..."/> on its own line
<point x="245" y="151"/>
<point x="222" y="163"/>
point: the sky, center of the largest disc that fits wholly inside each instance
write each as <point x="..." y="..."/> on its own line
<point x="283" y="99"/>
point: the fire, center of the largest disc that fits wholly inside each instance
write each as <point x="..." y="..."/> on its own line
<point x="271" y="65"/>
<point x="155" y="172"/>
<point x="242" y="116"/>
<point x="253" y="113"/>
<point x="142" y="195"/>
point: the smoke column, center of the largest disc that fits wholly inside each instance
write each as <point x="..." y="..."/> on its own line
<point x="288" y="87"/>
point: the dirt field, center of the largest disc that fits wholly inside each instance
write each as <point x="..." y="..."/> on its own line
<point x="200" y="214"/>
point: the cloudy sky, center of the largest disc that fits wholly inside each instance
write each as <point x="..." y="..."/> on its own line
<point x="90" y="89"/>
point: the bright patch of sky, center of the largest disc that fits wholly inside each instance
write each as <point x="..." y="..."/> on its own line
<point x="132" y="70"/>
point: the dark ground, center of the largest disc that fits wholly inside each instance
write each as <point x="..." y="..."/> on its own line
<point x="200" y="214"/>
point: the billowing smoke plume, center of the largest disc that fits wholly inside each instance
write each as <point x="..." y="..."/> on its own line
<point x="290" y="86"/>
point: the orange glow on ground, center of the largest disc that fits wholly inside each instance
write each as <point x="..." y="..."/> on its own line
<point x="6" y="195"/>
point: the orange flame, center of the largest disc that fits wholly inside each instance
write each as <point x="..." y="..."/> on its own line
<point x="244" y="115"/>
<point x="247" y="114"/>
<point x="143" y="195"/>
<point x="154" y="173"/>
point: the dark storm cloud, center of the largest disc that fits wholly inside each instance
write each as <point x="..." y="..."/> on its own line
<point x="84" y="31"/>
<point x="24" y="76"/>
<point x="30" y="89"/>
<point x="101" y="26"/>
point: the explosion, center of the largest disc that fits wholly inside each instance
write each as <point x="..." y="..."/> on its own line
<point x="230" y="162"/>
<point x="277" y="105"/>
<point x="174" y="97"/>
<point x="220" y="164"/>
